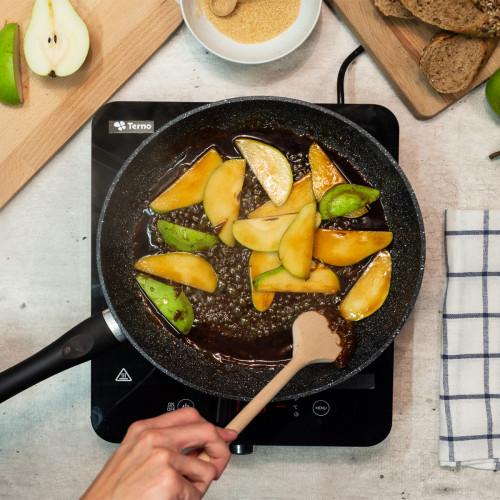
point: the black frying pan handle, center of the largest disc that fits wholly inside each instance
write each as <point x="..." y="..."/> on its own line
<point x="87" y="340"/>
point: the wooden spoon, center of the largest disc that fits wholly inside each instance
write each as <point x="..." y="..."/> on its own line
<point x="222" y="8"/>
<point x="313" y="342"/>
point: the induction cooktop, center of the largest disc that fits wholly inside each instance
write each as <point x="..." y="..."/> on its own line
<point x="125" y="387"/>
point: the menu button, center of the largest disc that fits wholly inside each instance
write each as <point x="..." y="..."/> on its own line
<point x="321" y="408"/>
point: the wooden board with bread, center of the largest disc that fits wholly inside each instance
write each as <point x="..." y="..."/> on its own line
<point x="431" y="66"/>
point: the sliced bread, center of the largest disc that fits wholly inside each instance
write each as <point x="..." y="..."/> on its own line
<point x="393" y="8"/>
<point x="451" y="61"/>
<point x="492" y="9"/>
<point x="471" y="17"/>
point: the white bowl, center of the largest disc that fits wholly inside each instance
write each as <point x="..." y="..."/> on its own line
<point x="253" y="53"/>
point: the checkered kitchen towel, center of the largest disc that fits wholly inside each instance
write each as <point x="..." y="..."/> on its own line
<point x="470" y="382"/>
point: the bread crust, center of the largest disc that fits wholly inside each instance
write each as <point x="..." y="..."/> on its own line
<point x="480" y="18"/>
<point x="492" y="10"/>
<point x="393" y="8"/>
<point x="451" y="61"/>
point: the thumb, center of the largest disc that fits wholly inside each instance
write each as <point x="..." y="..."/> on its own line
<point x="228" y="435"/>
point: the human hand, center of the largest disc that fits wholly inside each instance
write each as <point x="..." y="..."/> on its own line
<point x="150" y="462"/>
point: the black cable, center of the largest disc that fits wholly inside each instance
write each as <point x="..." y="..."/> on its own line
<point x="342" y="72"/>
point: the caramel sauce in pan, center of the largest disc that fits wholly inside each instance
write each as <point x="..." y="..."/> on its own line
<point x="227" y="326"/>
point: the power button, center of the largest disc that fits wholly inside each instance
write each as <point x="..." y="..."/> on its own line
<point x="185" y="403"/>
<point x="321" y="408"/>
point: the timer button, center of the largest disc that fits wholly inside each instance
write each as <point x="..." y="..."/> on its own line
<point x="321" y="408"/>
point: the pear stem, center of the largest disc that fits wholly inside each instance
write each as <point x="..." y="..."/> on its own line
<point x="494" y="155"/>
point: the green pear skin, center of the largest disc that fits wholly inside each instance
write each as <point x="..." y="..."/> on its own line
<point x="345" y="198"/>
<point x="171" y="302"/>
<point x="493" y="91"/>
<point x="11" y="90"/>
<point x="185" y="239"/>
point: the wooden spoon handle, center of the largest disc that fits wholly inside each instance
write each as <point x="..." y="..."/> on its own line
<point x="265" y="395"/>
<point x="252" y="409"/>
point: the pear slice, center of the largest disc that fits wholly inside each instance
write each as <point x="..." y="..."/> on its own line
<point x="259" y="263"/>
<point x="56" y="42"/>
<point x="185" y="239"/>
<point x="189" y="187"/>
<point x="359" y="212"/>
<point x="346" y="198"/>
<point x="344" y="248"/>
<point x="300" y="194"/>
<point x="321" y="280"/>
<point x="296" y="244"/>
<point x="270" y="166"/>
<point x="221" y="199"/>
<point x="262" y="234"/>
<point x="182" y="267"/>
<point x="325" y="174"/>
<point x="11" y="88"/>
<point x="172" y="304"/>
<point x="370" y="291"/>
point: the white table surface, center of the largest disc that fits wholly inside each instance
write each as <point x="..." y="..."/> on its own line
<point x="48" y="448"/>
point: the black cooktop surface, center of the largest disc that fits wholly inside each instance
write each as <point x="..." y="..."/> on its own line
<point x="125" y="387"/>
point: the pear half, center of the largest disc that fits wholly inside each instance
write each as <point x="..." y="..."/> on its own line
<point x="57" y="40"/>
<point x="11" y="89"/>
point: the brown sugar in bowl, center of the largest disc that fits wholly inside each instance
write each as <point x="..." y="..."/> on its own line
<point x="256" y="32"/>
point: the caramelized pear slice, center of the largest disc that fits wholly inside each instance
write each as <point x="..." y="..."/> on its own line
<point x="325" y="174"/>
<point x="344" y="248"/>
<point x="321" y="280"/>
<point x="300" y="194"/>
<point x="359" y="212"/>
<point x="259" y="263"/>
<point x="181" y="267"/>
<point x="262" y="234"/>
<point x="270" y="166"/>
<point x="185" y="239"/>
<point x="221" y="199"/>
<point x="189" y="187"/>
<point x="296" y="244"/>
<point x="370" y="291"/>
<point x="345" y="198"/>
<point x="172" y="303"/>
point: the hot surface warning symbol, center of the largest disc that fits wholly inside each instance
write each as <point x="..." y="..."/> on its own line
<point x="123" y="376"/>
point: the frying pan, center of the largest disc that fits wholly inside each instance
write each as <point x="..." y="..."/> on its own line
<point x="129" y="320"/>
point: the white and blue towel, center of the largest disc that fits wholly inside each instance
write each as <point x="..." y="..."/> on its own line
<point x="470" y="370"/>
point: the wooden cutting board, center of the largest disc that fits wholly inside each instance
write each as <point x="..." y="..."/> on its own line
<point x="123" y="35"/>
<point x="395" y="46"/>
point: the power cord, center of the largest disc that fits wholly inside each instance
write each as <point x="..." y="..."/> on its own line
<point x="342" y="72"/>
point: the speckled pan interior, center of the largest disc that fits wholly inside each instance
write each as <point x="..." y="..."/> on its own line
<point x="164" y="149"/>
